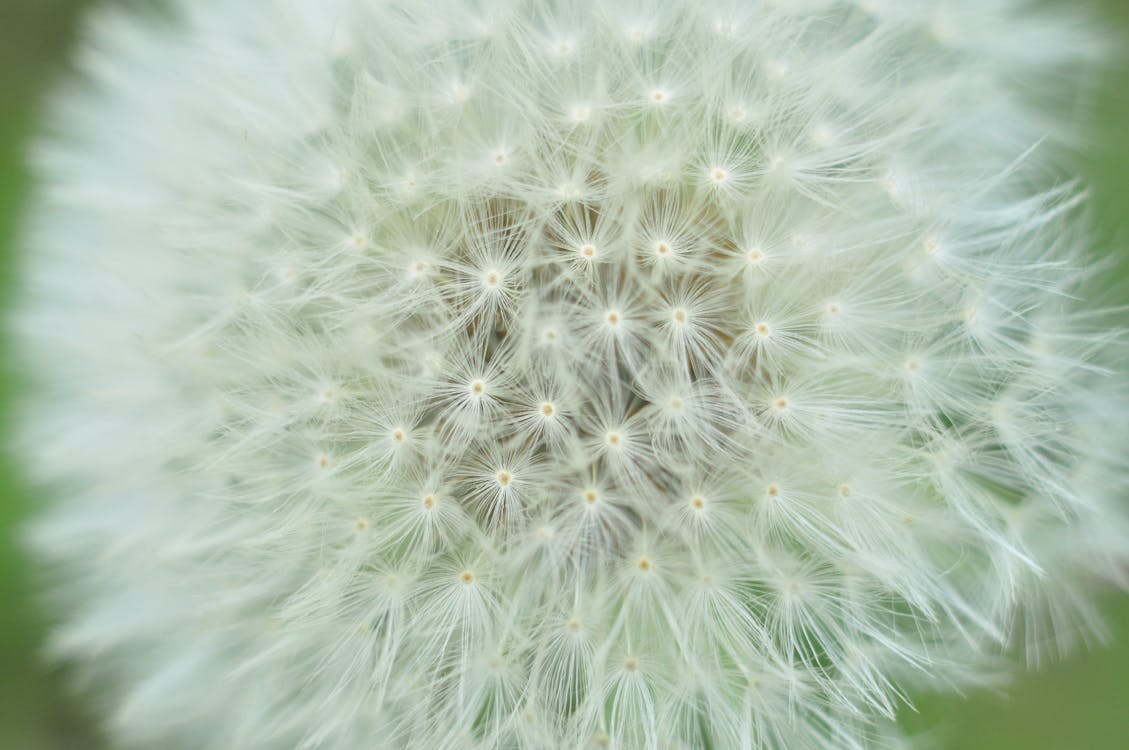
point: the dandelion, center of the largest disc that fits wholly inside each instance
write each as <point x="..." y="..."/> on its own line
<point x="565" y="375"/>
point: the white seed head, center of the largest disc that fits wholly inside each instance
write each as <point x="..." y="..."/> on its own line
<point x="532" y="375"/>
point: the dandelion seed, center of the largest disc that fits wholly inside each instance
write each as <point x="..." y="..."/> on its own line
<point x="529" y="375"/>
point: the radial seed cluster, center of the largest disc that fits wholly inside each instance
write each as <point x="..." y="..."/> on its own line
<point x="636" y="375"/>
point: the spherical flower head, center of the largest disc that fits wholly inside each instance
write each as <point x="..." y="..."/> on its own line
<point x="564" y="374"/>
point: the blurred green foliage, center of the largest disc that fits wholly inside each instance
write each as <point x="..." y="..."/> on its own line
<point x="1082" y="704"/>
<point x="35" y="710"/>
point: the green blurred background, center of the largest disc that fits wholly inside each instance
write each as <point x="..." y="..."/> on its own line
<point x="1082" y="704"/>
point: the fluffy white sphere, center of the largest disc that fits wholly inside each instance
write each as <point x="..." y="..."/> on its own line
<point x="564" y="374"/>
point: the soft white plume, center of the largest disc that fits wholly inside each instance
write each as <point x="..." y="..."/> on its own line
<point x="565" y="374"/>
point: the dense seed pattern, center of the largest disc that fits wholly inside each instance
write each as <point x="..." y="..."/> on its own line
<point x="538" y="375"/>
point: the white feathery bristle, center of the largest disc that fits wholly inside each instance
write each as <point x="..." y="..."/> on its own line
<point x="528" y="374"/>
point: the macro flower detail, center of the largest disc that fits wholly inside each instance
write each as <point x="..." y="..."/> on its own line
<point x="565" y="374"/>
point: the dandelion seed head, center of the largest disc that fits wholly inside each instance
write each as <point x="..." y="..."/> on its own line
<point x="445" y="376"/>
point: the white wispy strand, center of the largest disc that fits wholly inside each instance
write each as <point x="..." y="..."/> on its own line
<point x="564" y="374"/>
